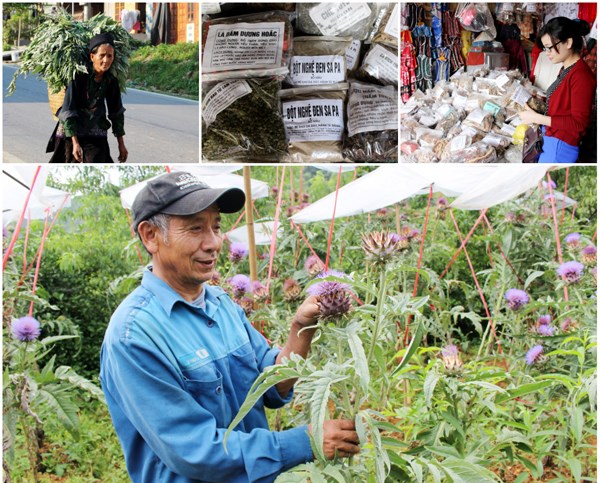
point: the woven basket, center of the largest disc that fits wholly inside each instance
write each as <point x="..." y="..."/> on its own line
<point x="55" y="101"/>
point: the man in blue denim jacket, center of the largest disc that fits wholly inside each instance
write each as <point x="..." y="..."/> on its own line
<point x="179" y="356"/>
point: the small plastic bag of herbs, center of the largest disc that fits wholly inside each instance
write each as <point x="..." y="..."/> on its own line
<point x="380" y="65"/>
<point x="388" y="29"/>
<point x="246" y="46"/>
<point x="372" y="123"/>
<point x="318" y="60"/>
<point x="336" y="19"/>
<point x="241" y="120"/>
<point x="314" y="122"/>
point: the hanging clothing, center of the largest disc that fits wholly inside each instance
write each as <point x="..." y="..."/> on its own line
<point x="587" y="12"/>
<point x="408" y="65"/>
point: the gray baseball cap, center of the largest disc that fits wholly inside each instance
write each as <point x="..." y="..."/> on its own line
<point x="182" y="193"/>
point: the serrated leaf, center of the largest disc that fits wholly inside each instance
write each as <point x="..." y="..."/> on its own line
<point x="270" y="377"/>
<point x="531" y="277"/>
<point x="412" y="347"/>
<point x="455" y="423"/>
<point x="360" y="359"/>
<point x="65" y="373"/>
<point x="463" y="471"/>
<point x="318" y="411"/>
<point x="522" y="390"/>
<point x="61" y="404"/>
<point x="429" y="384"/>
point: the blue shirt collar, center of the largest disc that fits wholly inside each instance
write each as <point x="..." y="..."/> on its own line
<point x="167" y="297"/>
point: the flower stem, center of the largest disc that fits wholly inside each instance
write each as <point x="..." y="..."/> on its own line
<point x="379" y="309"/>
<point x="487" y="329"/>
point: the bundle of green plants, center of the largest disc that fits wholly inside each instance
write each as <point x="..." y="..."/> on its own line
<point x="59" y="50"/>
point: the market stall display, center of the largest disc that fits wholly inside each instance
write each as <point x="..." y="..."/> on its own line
<point x="276" y="78"/>
<point x="468" y="110"/>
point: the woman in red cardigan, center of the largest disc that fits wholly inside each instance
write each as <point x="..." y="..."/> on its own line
<point x="571" y="95"/>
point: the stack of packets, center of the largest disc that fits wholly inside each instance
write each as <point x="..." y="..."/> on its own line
<point x="306" y="82"/>
<point x="472" y="118"/>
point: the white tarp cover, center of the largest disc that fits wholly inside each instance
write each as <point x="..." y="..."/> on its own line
<point x="505" y="183"/>
<point x="477" y="187"/>
<point x="263" y="231"/>
<point x="383" y="187"/>
<point x="16" y="182"/>
<point x="215" y="179"/>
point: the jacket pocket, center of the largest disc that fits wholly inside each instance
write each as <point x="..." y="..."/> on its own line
<point x="205" y="385"/>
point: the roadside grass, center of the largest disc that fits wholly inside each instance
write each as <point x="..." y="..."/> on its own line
<point x="171" y="69"/>
<point x="95" y="456"/>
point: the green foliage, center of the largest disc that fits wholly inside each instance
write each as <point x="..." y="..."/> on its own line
<point x="171" y="68"/>
<point x="59" y="50"/>
<point x="487" y="416"/>
<point x="19" y="22"/>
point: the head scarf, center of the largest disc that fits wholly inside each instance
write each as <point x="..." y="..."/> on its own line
<point x="101" y="39"/>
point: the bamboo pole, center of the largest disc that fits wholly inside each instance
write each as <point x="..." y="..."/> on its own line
<point x="250" y="225"/>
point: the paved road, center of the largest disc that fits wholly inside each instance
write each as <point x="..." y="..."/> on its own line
<point x="159" y="128"/>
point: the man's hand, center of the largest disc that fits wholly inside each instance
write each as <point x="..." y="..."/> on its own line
<point x="339" y="438"/>
<point x="307" y="313"/>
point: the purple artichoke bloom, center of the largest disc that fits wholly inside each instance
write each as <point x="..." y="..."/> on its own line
<point x="572" y="239"/>
<point x="544" y="320"/>
<point x="571" y="271"/>
<point x="25" y="329"/>
<point x="450" y="350"/>
<point x="567" y="324"/>
<point x="321" y="288"/>
<point x="552" y="183"/>
<point x="588" y="255"/>
<point x="237" y="252"/>
<point x="442" y="201"/>
<point x="240" y="284"/>
<point x="534" y="354"/>
<point x="313" y="265"/>
<point x="545" y="330"/>
<point x="516" y="298"/>
<point x="451" y="358"/>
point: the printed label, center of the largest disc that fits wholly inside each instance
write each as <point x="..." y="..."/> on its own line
<point x="491" y="107"/>
<point x="459" y="101"/>
<point x="502" y="80"/>
<point x="243" y="45"/>
<point x="521" y="96"/>
<point x="459" y="142"/>
<point x="334" y="18"/>
<point x="393" y="26"/>
<point x="221" y="97"/>
<point x="372" y="109"/>
<point x="352" y="54"/>
<point x="320" y="69"/>
<point x="382" y="64"/>
<point x="508" y="129"/>
<point x="477" y="116"/>
<point x="314" y="120"/>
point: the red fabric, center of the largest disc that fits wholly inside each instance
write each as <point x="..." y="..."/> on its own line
<point x="535" y="53"/>
<point x="571" y="105"/>
<point x="587" y="12"/>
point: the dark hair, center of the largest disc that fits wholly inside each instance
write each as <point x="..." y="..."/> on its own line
<point x="95" y="49"/>
<point x="562" y="28"/>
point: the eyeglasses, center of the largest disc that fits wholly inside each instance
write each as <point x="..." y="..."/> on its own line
<point x="548" y="49"/>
